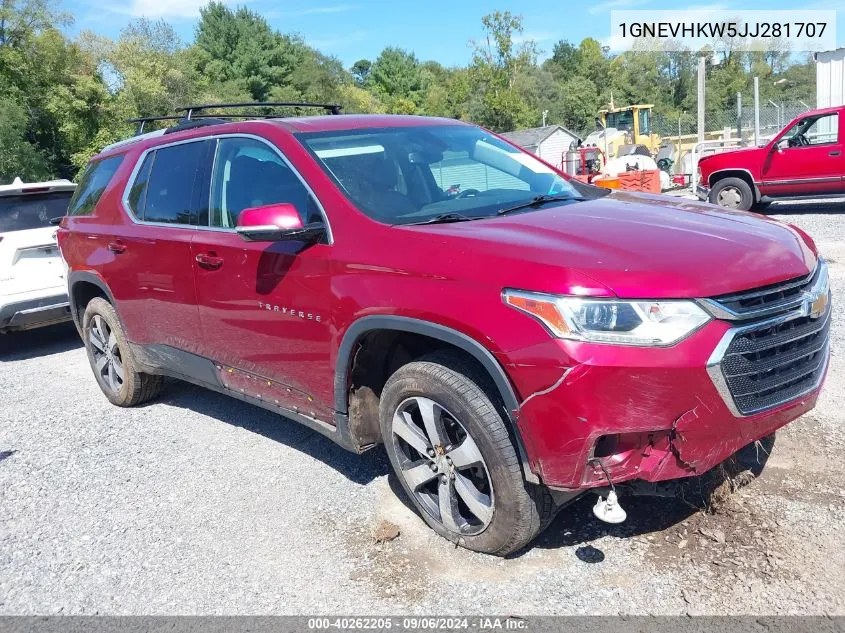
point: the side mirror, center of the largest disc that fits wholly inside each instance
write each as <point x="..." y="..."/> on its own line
<point x="276" y="222"/>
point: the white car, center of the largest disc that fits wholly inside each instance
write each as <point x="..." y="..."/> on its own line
<point x="33" y="288"/>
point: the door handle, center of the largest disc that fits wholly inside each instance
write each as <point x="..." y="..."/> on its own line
<point x="117" y="247"/>
<point x="211" y="262"/>
<point x="835" y="152"/>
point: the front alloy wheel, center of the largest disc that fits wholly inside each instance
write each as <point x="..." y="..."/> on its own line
<point x="448" y="443"/>
<point x="442" y="465"/>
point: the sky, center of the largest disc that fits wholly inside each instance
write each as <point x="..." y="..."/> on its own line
<point x="433" y="29"/>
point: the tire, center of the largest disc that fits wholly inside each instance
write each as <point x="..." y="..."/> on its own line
<point x="111" y="358"/>
<point x="732" y="193"/>
<point x="474" y="460"/>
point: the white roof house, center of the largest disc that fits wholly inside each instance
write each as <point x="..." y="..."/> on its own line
<point x="549" y="143"/>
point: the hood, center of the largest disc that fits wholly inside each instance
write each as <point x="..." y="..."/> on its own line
<point x="746" y="158"/>
<point x="638" y="245"/>
<point x="730" y="152"/>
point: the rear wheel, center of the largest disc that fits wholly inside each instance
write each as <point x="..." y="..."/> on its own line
<point x="452" y="454"/>
<point x="111" y="359"/>
<point x="732" y="193"/>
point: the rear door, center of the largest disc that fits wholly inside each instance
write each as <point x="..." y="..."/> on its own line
<point x="807" y="160"/>
<point x="29" y="257"/>
<point x="146" y="260"/>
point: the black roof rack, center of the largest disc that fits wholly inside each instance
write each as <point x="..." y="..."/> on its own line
<point x="140" y="122"/>
<point x="194" y="114"/>
<point x="332" y="108"/>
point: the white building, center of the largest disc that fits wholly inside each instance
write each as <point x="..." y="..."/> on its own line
<point x="549" y="143"/>
<point x="830" y="78"/>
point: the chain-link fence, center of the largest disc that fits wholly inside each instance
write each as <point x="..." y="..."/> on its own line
<point x="730" y="125"/>
<point x="726" y="124"/>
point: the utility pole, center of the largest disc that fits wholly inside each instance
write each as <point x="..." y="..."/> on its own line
<point x="756" y="112"/>
<point x="739" y="116"/>
<point x="702" y="65"/>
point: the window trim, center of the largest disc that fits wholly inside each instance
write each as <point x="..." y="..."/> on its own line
<point x="216" y="137"/>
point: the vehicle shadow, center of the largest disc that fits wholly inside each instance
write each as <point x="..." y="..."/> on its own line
<point x="30" y="344"/>
<point x="359" y="469"/>
<point x="820" y="205"/>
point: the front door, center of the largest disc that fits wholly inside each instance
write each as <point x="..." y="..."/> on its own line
<point x="264" y="306"/>
<point x="806" y="160"/>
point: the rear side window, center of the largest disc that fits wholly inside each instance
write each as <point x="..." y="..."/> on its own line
<point x="32" y="211"/>
<point x="165" y="188"/>
<point x="93" y="183"/>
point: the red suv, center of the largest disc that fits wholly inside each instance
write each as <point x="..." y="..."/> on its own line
<point x="804" y="159"/>
<point x="512" y="337"/>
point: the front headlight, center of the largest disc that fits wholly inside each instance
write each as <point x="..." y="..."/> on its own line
<point x="643" y="323"/>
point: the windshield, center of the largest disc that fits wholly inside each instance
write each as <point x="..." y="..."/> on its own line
<point x="406" y="175"/>
<point x="621" y="120"/>
<point x="32" y="211"/>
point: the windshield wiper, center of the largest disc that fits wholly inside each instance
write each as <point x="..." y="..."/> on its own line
<point x="443" y="218"/>
<point x="538" y="201"/>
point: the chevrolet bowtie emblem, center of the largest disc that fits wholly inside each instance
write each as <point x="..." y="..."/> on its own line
<point x="818" y="304"/>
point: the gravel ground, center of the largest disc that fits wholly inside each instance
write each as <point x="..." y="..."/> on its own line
<point x="199" y="504"/>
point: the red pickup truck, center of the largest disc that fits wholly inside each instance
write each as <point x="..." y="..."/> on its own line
<point x="803" y="160"/>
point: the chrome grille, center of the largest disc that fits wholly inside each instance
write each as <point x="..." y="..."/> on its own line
<point x="765" y="362"/>
<point x="775" y="363"/>
<point x="766" y="300"/>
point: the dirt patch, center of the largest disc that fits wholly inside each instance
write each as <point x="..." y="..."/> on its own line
<point x="386" y="531"/>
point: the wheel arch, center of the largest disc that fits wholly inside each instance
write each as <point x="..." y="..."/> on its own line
<point x="82" y="287"/>
<point x="449" y="336"/>
<point x="735" y="172"/>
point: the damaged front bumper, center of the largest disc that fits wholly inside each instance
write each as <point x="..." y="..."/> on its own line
<point x="638" y="414"/>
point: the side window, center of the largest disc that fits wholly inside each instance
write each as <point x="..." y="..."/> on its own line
<point x="824" y="130"/>
<point x="248" y="173"/>
<point x="645" y="122"/>
<point x="93" y="183"/>
<point x="138" y="192"/>
<point x="164" y="189"/>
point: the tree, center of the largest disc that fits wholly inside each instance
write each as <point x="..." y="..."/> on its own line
<point x="240" y="47"/>
<point x="52" y="81"/>
<point x="565" y="61"/>
<point x="18" y="157"/>
<point x="395" y="74"/>
<point x="361" y="71"/>
<point x="496" y="65"/>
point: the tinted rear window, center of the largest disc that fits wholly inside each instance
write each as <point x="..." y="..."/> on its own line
<point x="164" y="190"/>
<point x="32" y="211"/>
<point x="93" y="183"/>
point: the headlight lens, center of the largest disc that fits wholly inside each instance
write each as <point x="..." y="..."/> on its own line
<point x="643" y="323"/>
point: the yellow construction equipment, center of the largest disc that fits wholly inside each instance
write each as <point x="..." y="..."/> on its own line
<point x="628" y="128"/>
